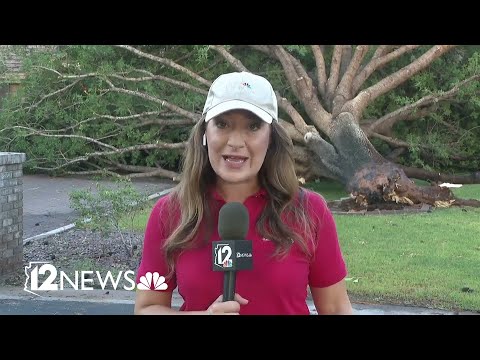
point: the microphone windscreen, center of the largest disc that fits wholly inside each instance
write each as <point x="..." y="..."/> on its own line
<point x="233" y="221"/>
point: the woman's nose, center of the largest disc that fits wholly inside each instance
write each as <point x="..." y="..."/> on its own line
<point x="236" y="140"/>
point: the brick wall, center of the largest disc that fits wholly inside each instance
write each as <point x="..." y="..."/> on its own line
<point x="11" y="212"/>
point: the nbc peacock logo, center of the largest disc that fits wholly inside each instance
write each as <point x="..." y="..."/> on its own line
<point x="152" y="281"/>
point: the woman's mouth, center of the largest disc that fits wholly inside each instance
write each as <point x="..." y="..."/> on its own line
<point x="234" y="162"/>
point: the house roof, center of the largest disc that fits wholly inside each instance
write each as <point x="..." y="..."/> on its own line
<point x="12" y="60"/>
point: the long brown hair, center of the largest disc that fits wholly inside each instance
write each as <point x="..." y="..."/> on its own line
<point x="285" y="205"/>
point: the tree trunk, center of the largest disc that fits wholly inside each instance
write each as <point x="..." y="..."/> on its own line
<point x="367" y="176"/>
<point x="472" y="178"/>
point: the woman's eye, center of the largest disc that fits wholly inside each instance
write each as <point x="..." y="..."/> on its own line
<point x="220" y="124"/>
<point x="255" y="126"/>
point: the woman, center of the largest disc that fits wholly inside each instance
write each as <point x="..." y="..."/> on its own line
<point x="238" y="152"/>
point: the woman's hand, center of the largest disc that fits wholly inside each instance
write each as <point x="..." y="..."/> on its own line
<point x="219" y="307"/>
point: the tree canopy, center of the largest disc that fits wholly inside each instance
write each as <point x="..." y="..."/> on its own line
<point x="129" y="109"/>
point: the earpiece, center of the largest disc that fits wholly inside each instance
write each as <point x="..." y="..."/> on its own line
<point x="204" y="140"/>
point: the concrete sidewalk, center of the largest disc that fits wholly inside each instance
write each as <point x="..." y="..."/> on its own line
<point x="46" y="200"/>
<point x="16" y="301"/>
<point x="46" y="207"/>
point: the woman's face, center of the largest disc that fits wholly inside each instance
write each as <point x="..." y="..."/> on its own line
<point x="237" y="144"/>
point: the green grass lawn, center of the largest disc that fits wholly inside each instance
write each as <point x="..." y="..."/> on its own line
<point x="329" y="189"/>
<point x="428" y="259"/>
<point x="138" y="221"/>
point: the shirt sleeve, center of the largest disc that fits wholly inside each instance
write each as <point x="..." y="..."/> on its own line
<point x="328" y="265"/>
<point x="153" y="260"/>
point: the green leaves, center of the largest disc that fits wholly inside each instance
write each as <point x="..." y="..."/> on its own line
<point x="90" y="108"/>
<point x="104" y="208"/>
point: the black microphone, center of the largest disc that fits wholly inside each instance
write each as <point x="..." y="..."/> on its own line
<point x="232" y="252"/>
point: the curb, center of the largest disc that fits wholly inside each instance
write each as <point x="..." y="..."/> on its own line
<point x="98" y="296"/>
<point x="71" y="226"/>
<point x="359" y="309"/>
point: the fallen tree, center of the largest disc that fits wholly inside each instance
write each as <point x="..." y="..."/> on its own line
<point x="323" y="108"/>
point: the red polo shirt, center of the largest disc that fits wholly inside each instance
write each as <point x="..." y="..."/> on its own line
<point x="272" y="286"/>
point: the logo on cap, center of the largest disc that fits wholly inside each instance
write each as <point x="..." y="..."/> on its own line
<point x="228" y="93"/>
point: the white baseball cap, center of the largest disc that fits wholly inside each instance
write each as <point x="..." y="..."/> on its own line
<point x="241" y="90"/>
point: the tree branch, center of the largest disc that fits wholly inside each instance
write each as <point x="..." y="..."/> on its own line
<point x="378" y="60"/>
<point x="145" y="171"/>
<point x="140" y="116"/>
<point x="395" y="142"/>
<point x="301" y="155"/>
<point x="264" y="49"/>
<point x="302" y="87"/>
<point x="332" y="81"/>
<point x="297" y="119"/>
<point x="380" y="51"/>
<point x="395" y="154"/>
<point x="41" y="133"/>
<point x="321" y="70"/>
<point x="211" y="65"/>
<point x="81" y="76"/>
<point x="391" y="141"/>
<point x="65" y="88"/>
<point x="167" y="62"/>
<point x="472" y="178"/>
<point x="145" y="96"/>
<point x="180" y="84"/>
<point x="357" y="105"/>
<point x="292" y="131"/>
<point x="344" y="88"/>
<point x="47" y="68"/>
<point x="298" y="87"/>
<point x="166" y="122"/>
<point x="386" y="127"/>
<point x="346" y="59"/>
<point x="159" y="172"/>
<point x="300" y="69"/>
<point x="389" y="120"/>
<point x="232" y="60"/>
<point x="165" y="103"/>
<point x="326" y="154"/>
<point x="308" y="167"/>
<point x="158" y="145"/>
<point x="92" y="172"/>
<point x="129" y="117"/>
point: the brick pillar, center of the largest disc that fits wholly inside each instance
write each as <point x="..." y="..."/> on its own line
<point x="11" y="212"/>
